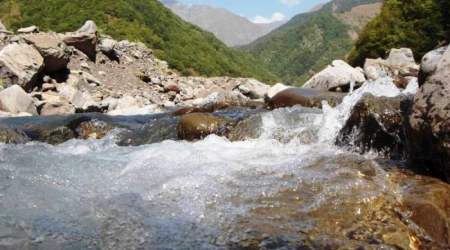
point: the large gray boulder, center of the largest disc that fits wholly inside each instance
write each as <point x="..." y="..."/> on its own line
<point x="429" y="63"/>
<point x="428" y="126"/>
<point x="15" y="100"/>
<point x="20" y="64"/>
<point x="85" y="39"/>
<point x="337" y="75"/>
<point x="400" y="63"/>
<point x="52" y="48"/>
<point x="403" y="61"/>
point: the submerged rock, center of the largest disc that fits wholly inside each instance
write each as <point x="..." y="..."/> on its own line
<point x="428" y="126"/>
<point x="197" y="126"/>
<point x="304" y="97"/>
<point x="11" y="135"/>
<point x="375" y="124"/>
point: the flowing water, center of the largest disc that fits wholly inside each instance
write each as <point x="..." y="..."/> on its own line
<point x="289" y="189"/>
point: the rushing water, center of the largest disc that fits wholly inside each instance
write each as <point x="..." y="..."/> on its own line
<point x="289" y="188"/>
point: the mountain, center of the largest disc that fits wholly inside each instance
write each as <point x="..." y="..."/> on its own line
<point x="232" y="29"/>
<point x="186" y="47"/>
<point x="316" y="8"/>
<point x="419" y="25"/>
<point x="310" y="41"/>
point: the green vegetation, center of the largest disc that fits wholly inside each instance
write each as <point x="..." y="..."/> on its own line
<point x="292" y="52"/>
<point x="308" y="42"/>
<point x="186" y="48"/>
<point x="417" y="24"/>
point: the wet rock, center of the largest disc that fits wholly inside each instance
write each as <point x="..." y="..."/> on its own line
<point x="15" y="100"/>
<point x="158" y="130"/>
<point x="85" y="39"/>
<point x="9" y="135"/>
<point x="93" y="129"/>
<point x="57" y="135"/>
<point x="247" y="129"/>
<point x="27" y="30"/>
<point x="428" y="200"/>
<point x="375" y="124"/>
<point x="275" y="89"/>
<point x="428" y="126"/>
<point x="52" y="48"/>
<point x="429" y="63"/>
<point x="339" y="74"/>
<point x="197" y="126"/>
<point x="304" y="97"/>
<point x="20" y="64"/>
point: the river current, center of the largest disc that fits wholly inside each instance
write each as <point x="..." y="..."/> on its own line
<point x="289" y="189"/>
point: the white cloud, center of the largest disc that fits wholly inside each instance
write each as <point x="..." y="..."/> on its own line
<point x="290" y="3"/>
<point x="277" y="16"/>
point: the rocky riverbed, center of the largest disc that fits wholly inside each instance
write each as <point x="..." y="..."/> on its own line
<point x="113" y="150"/>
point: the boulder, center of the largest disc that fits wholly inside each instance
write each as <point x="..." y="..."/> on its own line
<point x="107" y="46"/>
<point x="429" y="63"/>
<point x="2" y="26"/>
<point x="27" y="30"/>
<point x="9" y="135"/>
<point x="375" y="124"/>
<point x="15" y="100"/>
<point x="275" y="89"/>
<point x="197" y="126"/>
<point x="253" y="89"/>
<point x="85" y="39"/>
<point x="428" y="203"/>
<point x="402" y="62"/>
<point x="171" y="86"/>
<point x="375" y="68"/>
<point x="338" y="75"/>
<point x="52" y="48"/>
<point x="76" y="97"/>
<point x="20" y="64"/>
<point x="428" y="125"/>
<point x="304" y="97"/>
<point x="57" y="108"/>
<point x="89" y="27"/>
<point x="94" y="129"/>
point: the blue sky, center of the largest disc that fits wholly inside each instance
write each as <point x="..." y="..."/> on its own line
<point x="262" y="10"/>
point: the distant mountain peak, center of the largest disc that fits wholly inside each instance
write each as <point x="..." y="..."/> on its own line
<point x="232" y="29"/>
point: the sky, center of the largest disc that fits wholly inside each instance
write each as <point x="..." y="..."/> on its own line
<point x="262" y="11"/>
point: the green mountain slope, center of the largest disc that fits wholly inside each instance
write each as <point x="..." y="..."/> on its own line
<point x="186" y="47"/>
<point x="417" y="24"/>
<point x="308" y="42"/>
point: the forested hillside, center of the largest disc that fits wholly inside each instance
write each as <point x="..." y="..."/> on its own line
<point x="308" y="42"/>
<point x="186" y="47"/>
<point x="417" y="24"/>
